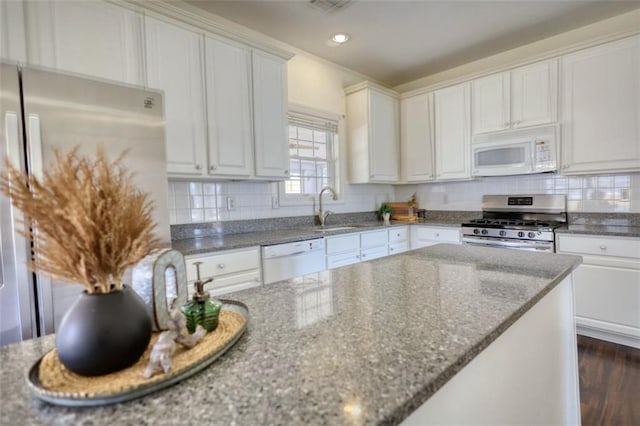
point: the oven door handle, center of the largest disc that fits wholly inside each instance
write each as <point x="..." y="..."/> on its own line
<point x="546" y="246"/>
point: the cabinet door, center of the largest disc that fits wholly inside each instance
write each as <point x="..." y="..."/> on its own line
<point x="383" y="137"/>
<point x="452" y="132"/>
<point x="600" y="108"/>
<point x="607" y="294"/>
<point x="270" y="115"/>
<point x="490" y="98"/>
<point x="174" y="64"/>
<point x="416" y="138"/>
<point x="228" y="71"/>
<point x="93" y="38"/>
<point x="12" y="35"/>
<point x="534" y="94"/>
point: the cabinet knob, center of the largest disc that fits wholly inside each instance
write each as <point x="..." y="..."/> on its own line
<point x="506" y="124"/>
<point x="364" y="255"/>
<point x="603" y="247"/>
<point x="220" y="265"/>
<point x="437" y="235"/>
<point x="212" y="168"/>
<point x="519" y="121"/>
<point x="398" y="234"/>
<point x="198" y="167"/>
<point x="286" y="172"/>
<point x="391" y="249"/>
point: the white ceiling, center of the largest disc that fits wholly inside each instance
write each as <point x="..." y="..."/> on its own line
<point x="397" y="41"/>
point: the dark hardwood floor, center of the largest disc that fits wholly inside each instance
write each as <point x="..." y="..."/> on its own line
<point x="609" y="383"/>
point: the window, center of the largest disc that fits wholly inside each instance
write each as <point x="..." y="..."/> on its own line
<point x="312" y="149"/>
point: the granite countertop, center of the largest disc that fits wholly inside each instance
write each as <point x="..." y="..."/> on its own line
<point x="601" y="230"/>
<point x="219" y="242"/>
<point x="382" y="336"/>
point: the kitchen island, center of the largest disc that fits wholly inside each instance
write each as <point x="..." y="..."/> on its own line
<point x="421" y="336"/>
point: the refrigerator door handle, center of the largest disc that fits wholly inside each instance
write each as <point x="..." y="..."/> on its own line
<point x="35" y="146"/>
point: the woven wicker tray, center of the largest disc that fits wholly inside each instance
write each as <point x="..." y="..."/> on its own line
<point x="51" y="382"/>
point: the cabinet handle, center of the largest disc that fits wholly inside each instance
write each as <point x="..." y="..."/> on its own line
<point x="603" y="247"/>
<point x="220" y="265"/>
<point x="198" y="167"/>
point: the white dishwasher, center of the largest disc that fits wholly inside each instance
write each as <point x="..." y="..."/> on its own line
<point x="284" y="261"/>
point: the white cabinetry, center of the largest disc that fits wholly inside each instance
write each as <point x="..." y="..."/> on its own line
<point x="424" y="236"/>
<point x="600" y="108"/>
<point x="12" y="35"/>
<point x="523" y="97"/>
<point x="270" y="116"/>
<point x="175" y="65"/>
<point x="452" y="132"/>
<point x="607" y="286"/>
<point x="374" y="244"/>
<point x="228" y="71"/>
<point x="372" y="121"/>
<point x="231" y="270"/>
<point x="93" y="38"/>
<point x="398" y="240"/>
<point x="416" y="138"/>
<point x="342" y="250"/>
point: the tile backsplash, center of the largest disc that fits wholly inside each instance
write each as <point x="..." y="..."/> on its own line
<point x="195" y="202"/>
<point x="619" y="193"/>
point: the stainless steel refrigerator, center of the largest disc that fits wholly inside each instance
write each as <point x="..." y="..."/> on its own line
<point x="41" y="110"/>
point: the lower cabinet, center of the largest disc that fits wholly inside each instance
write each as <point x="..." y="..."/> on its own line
<point x="342" y="250"/>
<point x="399" y="240"/>
<point x="424" y="236"/>
<point x="374" y="244"/>
<point x="231" y="270"/>
<point x="607" y="286"/>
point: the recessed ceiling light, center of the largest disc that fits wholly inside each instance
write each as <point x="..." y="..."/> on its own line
<point x="340" y="38"/>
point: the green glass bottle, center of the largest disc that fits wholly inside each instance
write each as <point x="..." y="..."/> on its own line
<point x="201" y="310"/>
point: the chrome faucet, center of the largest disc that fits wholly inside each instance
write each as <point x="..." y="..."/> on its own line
<point x="322" y="215"/>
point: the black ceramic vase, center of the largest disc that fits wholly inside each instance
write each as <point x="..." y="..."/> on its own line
<point x="103" y="333"/>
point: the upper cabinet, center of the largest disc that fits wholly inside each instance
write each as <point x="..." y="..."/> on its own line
<point x="228" y="80"/>
<point x="416" y="138"/>
<point x="523" y="97"/>
<point x="93" y="38"/>
<point x="270" y="116"/>
<point x="175" y="65"/>
<point x="601" y="108"/>
<point x="372" y="122"/>
<point x="452" y="132"/>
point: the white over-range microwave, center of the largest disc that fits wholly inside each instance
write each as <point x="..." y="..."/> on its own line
<point x="515" y="152"/>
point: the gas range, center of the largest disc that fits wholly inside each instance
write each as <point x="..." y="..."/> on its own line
<point x="517" y="221"/>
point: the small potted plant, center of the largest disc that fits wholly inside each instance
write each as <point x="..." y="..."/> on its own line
<point x="89" y="223"/>
<point x="411" y="203"/>
<point x="385" y="212"/>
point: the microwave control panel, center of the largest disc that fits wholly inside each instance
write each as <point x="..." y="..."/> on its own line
<point x="544" y="154"/>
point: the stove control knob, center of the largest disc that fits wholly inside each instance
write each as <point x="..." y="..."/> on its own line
<point x="484" y="232"/>
<point x="520" y="234"/>
<point x="476" y="231"/>
<point x="531" y="234"/>
<point x="503" y="233"/>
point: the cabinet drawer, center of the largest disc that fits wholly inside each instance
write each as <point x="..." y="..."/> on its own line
<point x="215" y="265"/>
<point x="397" y="235"/>
<point x="373" y="239"/>
<point x="600" y="246"/>
<point x="374" y="253"/>
<point x="342" y="243"/>
<point x="438" y="234"/>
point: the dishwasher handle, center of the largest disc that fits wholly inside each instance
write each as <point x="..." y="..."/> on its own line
<point x="296" y="254"/>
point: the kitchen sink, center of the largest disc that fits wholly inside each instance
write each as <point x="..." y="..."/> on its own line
<point x="339" y="228"/>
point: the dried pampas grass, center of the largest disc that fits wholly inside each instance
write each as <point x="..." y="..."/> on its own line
<point x="91" y="222"/>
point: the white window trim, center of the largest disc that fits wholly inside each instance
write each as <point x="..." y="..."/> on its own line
<point x="285" y="200"/>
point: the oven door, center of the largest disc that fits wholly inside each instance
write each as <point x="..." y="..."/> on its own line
<point x="540" y="246"/>
<point x="503" y="159"/>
